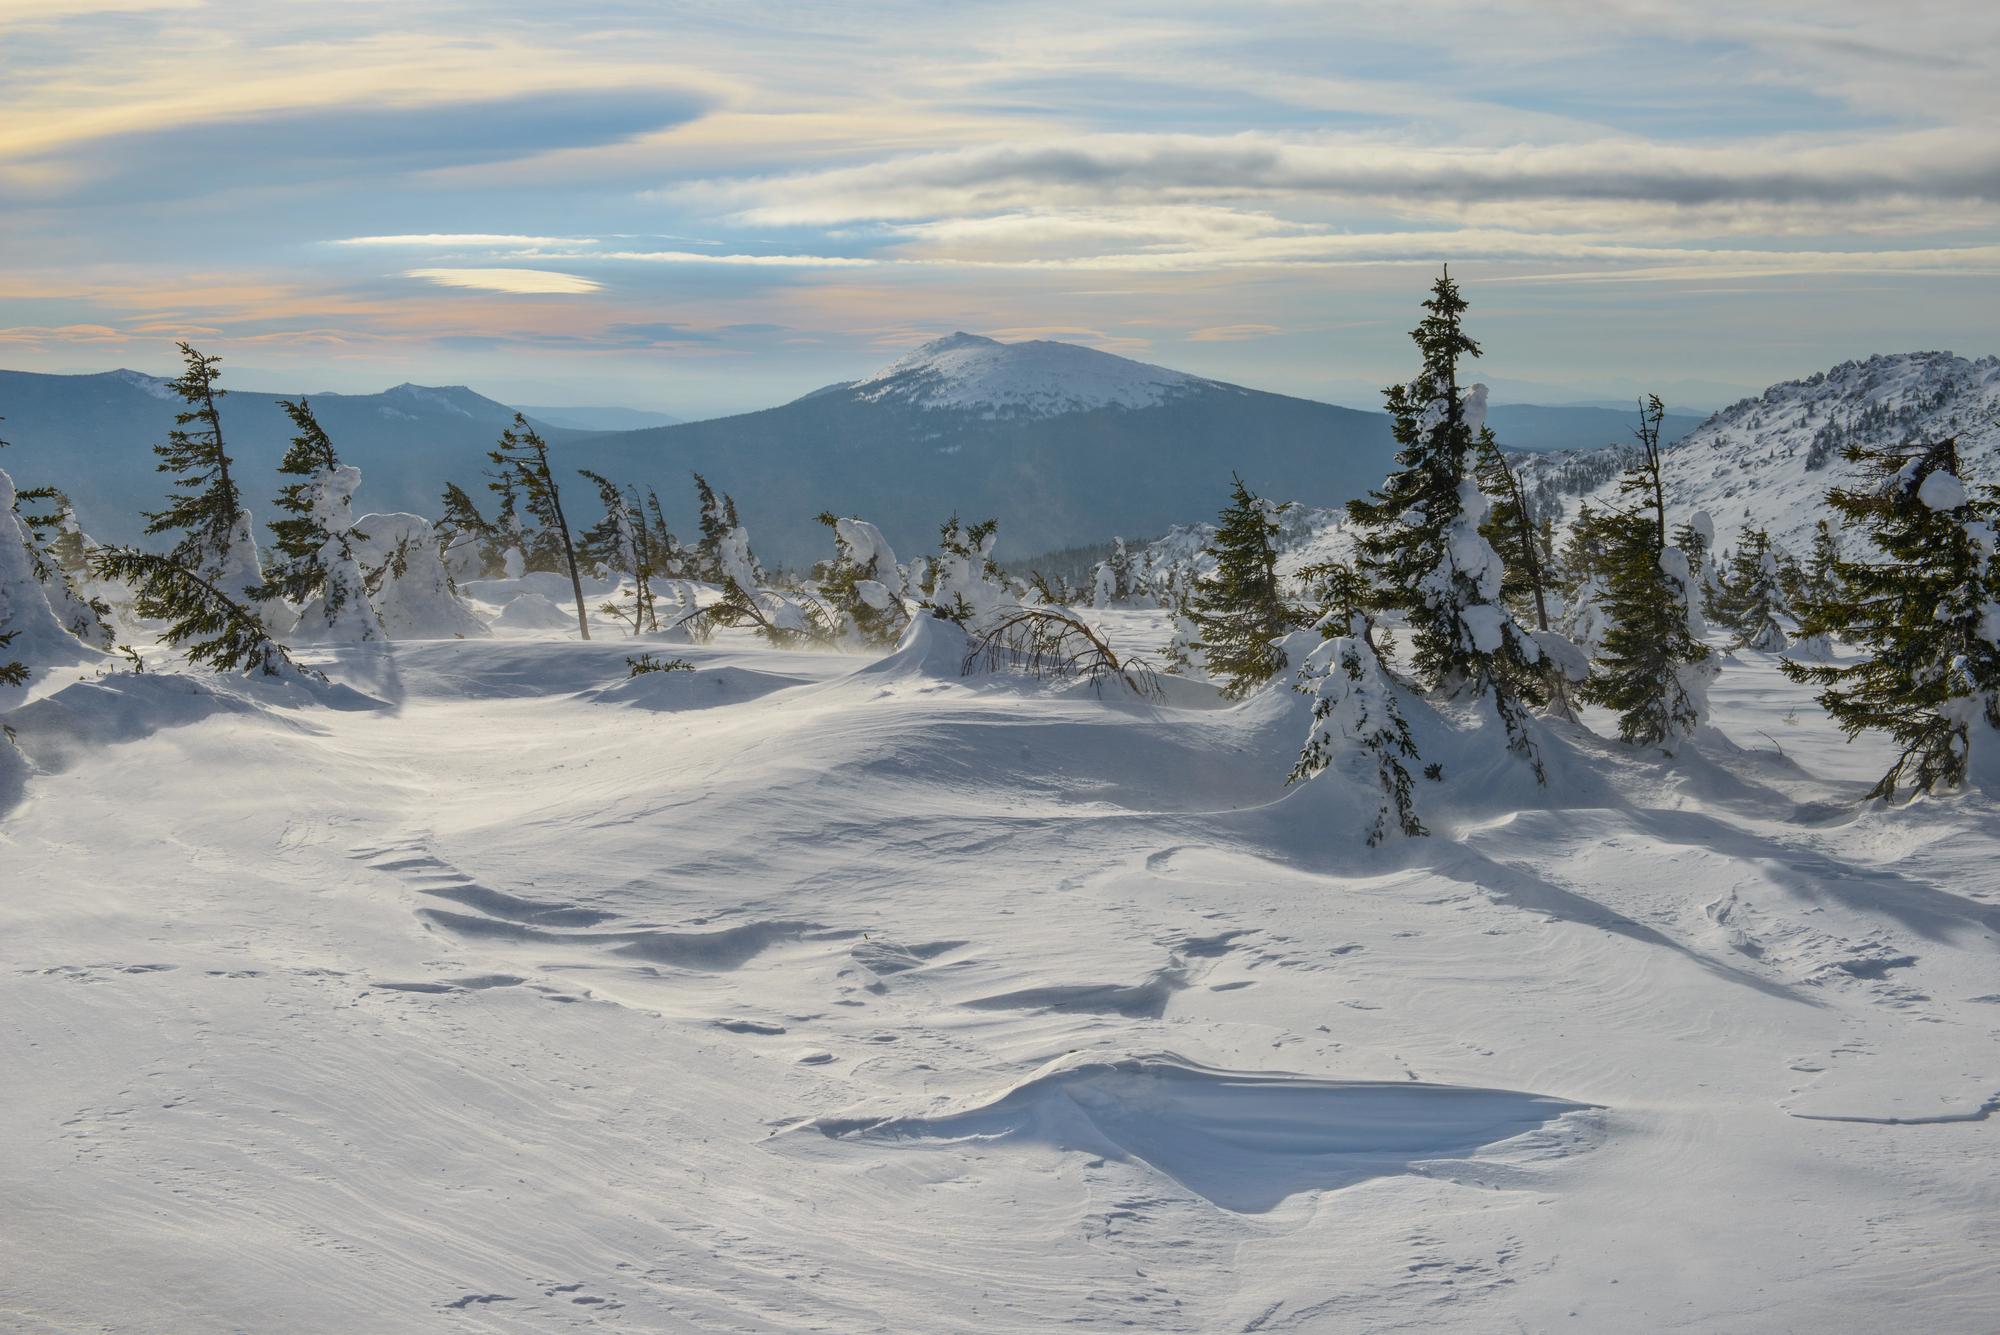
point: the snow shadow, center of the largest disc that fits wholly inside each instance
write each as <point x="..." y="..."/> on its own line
<point x="1243" y="1141"/>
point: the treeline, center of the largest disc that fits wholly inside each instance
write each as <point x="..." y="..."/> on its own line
<point x="1504" y="616"/>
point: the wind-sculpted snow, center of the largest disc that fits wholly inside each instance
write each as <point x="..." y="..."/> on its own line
<point x="1243" y="1140"/>
<point x="524" y="999"/>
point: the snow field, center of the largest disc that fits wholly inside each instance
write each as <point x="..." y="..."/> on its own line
<point x="490" y="990"/>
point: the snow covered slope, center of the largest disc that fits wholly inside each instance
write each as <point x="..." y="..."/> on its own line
<point x="814" y="992"/>
<point x="1767" y="462"/>
<point x="1032" y="379"/>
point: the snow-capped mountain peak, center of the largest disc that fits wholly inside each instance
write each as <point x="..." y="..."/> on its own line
<point x="1038" y="378"/>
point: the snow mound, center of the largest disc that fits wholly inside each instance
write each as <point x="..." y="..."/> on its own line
<point x="1032" y="379"/>
<point x="1243" y="1140"/>
<point x="930" y="647"/>
<point x="703" y="689"/>
<point x="533" y="611"/>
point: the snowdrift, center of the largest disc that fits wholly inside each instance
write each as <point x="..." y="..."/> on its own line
<point x="1243" y="1140"/>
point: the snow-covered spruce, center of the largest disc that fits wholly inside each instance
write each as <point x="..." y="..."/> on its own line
<point x="315" y="540"/>
<point x="1925" y="610"/>
<point x="215" y="543"/>
<point x="1652" y="667"/>
<point x="523" y="459"/>
<point x="412" y="594"/>
<point x="861" y="585"/>
<point x="33" y="638"/>
<point x="1114" y="581"/>
<point x="1753" y="595"/>
<point x="1355" y="716"/>
<point x="61" y="553"/>
<point x="1420" y="545"/>
<point x="962" y="584"/>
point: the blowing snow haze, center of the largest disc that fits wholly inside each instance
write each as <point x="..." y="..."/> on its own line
<point x="984" y="669"/>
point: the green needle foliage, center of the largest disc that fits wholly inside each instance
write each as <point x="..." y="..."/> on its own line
<point x="523" y="460"/>
<point x="1923" y="610"/>
<point x="214" y="629"/>
<point x="1648" y="668"/>
<point x="1237" y="609"/>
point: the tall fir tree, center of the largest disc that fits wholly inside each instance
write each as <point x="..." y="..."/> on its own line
<point x="317" y="568"/>
<point x="1651" y="668"/>
<point x="524" y="456"/>
<point x="1925" y="611"/>
<point x="1420" y="546"/>
<point x="1237" y="609"/>
<point x="715" y="526"/>
<point x="206" y="509"/>
<point x="1753" y="595"/>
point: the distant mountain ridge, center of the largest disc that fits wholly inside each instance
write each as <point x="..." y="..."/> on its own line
<point x="1063" y="444"/>
<point x="1767" y="462"/>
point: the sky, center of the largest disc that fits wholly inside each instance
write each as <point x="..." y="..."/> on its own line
<point x="702" y="208"/>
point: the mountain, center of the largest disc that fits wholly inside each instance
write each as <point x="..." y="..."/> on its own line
<point x="1535" y="428"/>
<point x="1768" y="461"/>
<point x="91" y="435"/>
<point x="599" y="419"/>
<point x="1063" y="444"/>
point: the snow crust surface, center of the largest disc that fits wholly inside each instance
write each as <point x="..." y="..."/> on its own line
<point x="496" y="991"/>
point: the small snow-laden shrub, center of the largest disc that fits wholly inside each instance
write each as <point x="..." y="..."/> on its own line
<point x="862" y="587"/>
<point x="1354" y="714"/>
<point x="645" y="663"/>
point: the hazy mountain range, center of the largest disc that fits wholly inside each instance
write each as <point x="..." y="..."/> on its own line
<point x="1064" y="444"/>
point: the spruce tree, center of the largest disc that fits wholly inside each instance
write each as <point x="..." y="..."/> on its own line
<point x="1237" y="609"/>
<point x="862" y="583"/>
<point x="617" y="544"/>
<point x="524" y="456"/>
<point x="1420" y="546"/>
<point x="1819" y="574"/>
<point x="59" y="555"/>
<point x="1651" y="665"/>
<point x="715" y="526"/>
<point x="315" y="540"/>
<point x="467" y="540"/>
<point x="1354" y="704"/>
<point x="207" y="509"/>
<point x="1753" y="595"/>
<point x="216" y="629"/>
<point x="1925" y="611"/>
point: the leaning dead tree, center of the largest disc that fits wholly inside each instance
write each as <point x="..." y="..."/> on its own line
<point x="1055" y="646"/>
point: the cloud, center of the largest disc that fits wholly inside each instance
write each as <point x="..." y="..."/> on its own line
<point x="752" y="261"/>
<point x="1232" y="333"/>
<point x="1180" y="169"/>
<point x="461" y="240"/>
<point x="350" y="141"/>
<point x="536" y="281"/>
